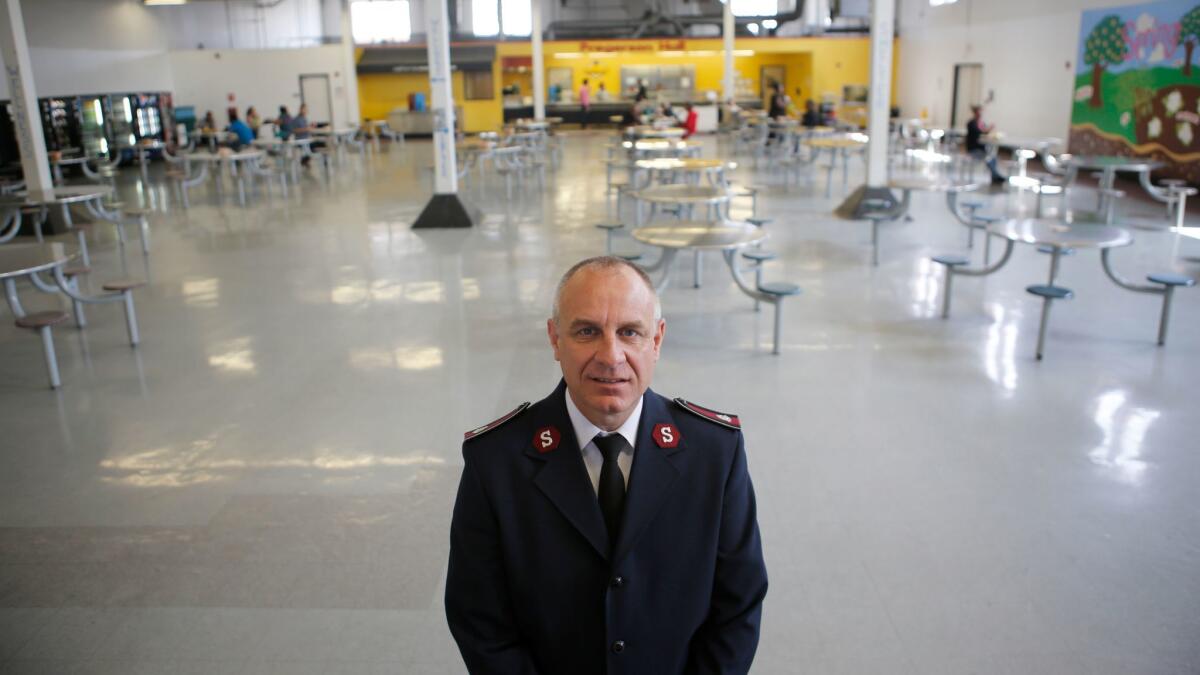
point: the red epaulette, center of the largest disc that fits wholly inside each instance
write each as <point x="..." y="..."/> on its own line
<point x="476" y="433"/>
<point x="724" y="419"/>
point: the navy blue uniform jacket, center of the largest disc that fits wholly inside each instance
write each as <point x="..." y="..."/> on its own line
<point x="532" y="586"/>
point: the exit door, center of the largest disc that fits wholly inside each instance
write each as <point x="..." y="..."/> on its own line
<point x="314" y="92"/>
<point x="968" y="91"/>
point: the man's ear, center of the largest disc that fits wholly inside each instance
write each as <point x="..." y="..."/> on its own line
<point x="552" y="333"/>
<point x="659" y="333"/>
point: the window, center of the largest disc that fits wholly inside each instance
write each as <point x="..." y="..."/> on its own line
<point x="518" y="20"/>
<point x="374" y="21"/>
<point x="485" y="17"/>
<point x="477" y="85"/>
<point x="755" y="7"/>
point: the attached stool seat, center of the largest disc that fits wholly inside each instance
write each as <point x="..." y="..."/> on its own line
<point x="950" y="261"/>
<point x="122" y="285"/>
<point x="1048" y="294"/>
<point x="76" y="271"/>
<point x="1169" y="283"/>
<point x="609" y="228"/>
<point x="125" y="287"/>
<point x="758" y="257"/>
<point x="42" y="319"/>
<point x="43" y="322"/>
<point x="759" y="222"/>
<point x="778" y="290"/>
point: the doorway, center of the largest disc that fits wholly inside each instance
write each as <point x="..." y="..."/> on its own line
<point x="968" y="91"/>
<point x="768" y="77"/>
<point x="314" y="92"/>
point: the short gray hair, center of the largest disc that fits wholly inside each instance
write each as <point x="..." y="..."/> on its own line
<point x="605" y="262"/>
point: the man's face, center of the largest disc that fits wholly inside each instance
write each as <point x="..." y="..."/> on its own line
<point x="607" y="341"/>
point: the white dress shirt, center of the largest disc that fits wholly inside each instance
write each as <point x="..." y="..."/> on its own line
<point x="585" y="431"/>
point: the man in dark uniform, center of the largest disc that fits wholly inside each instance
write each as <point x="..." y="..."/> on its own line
<point x="606" y="529"/>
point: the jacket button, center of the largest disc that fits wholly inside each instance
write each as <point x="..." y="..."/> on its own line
<point x="618" y="582"/>
<point x="618" y="646"/>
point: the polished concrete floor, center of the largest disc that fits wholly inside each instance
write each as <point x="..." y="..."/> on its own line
<point x="264" y="486"/>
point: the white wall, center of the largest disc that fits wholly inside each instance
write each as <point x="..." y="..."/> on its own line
<point x="264" y="78"/>
<point x="1027" y="48"/>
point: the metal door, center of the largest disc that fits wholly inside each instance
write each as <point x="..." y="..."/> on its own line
<point x="314" y="92"/>
<point x="968" y="91"/>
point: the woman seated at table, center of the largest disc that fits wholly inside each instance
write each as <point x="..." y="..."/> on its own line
<point x="693" y="118"/>
<point x="209" y="124"/>
<point x="812" y="117"/>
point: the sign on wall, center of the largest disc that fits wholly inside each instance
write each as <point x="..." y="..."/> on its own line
<point x="1137" y="84"/>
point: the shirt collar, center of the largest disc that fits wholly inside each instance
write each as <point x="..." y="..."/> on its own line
<point x="585" y="431"/>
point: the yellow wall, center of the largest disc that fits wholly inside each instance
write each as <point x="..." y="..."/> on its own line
<point x="816" y="66"/>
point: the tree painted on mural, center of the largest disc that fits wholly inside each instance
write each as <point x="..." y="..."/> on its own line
<point x="1105" y="46"/>
<point x="1189" y="34"/>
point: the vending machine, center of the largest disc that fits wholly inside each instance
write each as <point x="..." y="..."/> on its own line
<point x="147" y="116"/>
<point x="60" y="124"/>
<point x="93" y="126"/>
<point x="121" y="123"/>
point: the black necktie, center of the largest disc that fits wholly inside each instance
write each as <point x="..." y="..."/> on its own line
<point x="611" y="490"/>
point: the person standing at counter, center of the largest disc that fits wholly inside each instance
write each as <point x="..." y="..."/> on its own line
<point x="585" y="102"/>
<point x="779" y="102"/>
<point x="976" y="129"/>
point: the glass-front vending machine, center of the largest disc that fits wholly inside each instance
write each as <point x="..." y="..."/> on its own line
<point x="93" y="126"/>
<point x="147" y="116"/>
<point x="121" y="121"/>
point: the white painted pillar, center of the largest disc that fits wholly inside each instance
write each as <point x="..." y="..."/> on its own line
<point x="729" y="81"/>
<point x="27" y="121"/>
<point x="437" y="42"/>
<point x="539" y="61"/>
<point x="349" y="70"/>
<point x="882" y="25"/>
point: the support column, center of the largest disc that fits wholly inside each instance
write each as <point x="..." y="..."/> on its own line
<point x="882" y="22"/>
<point x="27" y="122"/>
<point x="444" y="209"/>
<point x="539" y="60"/>
<point x="729" y="79"/>
<point x="874" y="195"/>
<point x="349" y="70"/>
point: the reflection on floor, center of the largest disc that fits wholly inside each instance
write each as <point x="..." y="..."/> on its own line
<point x="264" y="485"/>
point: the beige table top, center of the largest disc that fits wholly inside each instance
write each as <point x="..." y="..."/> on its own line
<point x="222" y="155"/>
<point x="475" y="145"/>
<point x="652" y="132"/>
<point x="836" y="142"/>
<point x="684" y="194"/>
<point x="700" y="234"/>
<point x="684" y="164"/>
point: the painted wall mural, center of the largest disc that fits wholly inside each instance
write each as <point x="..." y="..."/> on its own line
<point x="1137" y="84"/>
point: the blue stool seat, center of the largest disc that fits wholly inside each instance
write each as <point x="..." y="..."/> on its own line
<point x="779" y="288"/>
<point x="950" y="260"/>
<point x="631" y="257"/>
<point x="758" y="222"/>
<point x="1171" y="279"/>
<point x="1050" y="249"/>
<point x="1051" y="292"/>
<point x="759" y="256"/>
<point x="987" y="220"/>
<point x="610" y="226"/>
<point x="972" y="205"/>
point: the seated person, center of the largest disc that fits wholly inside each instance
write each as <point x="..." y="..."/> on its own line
<point x="976" y="128"/>
<point x="689" y="124"/>
<point x="245" y="135"/>
<point x="812" y="117"/>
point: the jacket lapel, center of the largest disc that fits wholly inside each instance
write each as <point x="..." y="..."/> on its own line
<point x="653" y="474"/>
<point x="563" y="477"/>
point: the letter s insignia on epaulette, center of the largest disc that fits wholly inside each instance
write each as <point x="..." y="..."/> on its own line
<point x="724" y="419"/>
<point x="476" y="433"/>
